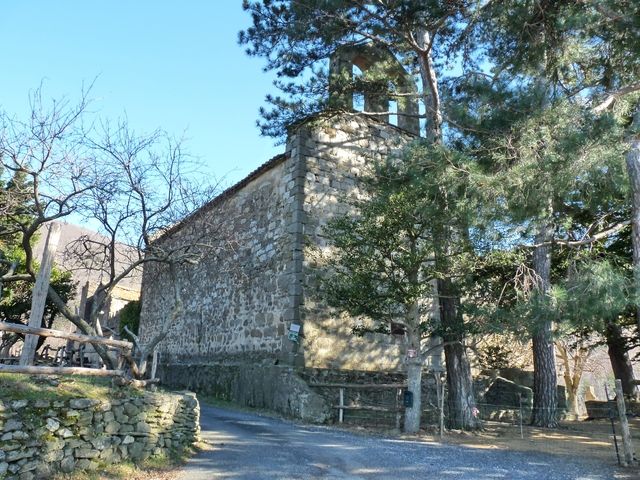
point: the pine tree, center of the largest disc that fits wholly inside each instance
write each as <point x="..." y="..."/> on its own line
<point x="544" y="59"/>
<point x="382" y="264"/>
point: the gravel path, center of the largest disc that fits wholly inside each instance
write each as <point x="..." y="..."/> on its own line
<point x="248" y="446"/>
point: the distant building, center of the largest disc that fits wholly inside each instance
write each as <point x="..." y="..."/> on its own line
<point x="80" y="254"/>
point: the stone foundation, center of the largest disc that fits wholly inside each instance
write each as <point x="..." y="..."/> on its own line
<point x="601" y="409"/>
<point x="41" y="437"/>
<point x="272" y="387"/>
<point x="383" y="398"/>
<point x="292" y="393"/>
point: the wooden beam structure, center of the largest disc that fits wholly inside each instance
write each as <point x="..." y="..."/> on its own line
<point x="76" y="337"/>
<point x="39" y="295"/>
<point x="39" y="370"/>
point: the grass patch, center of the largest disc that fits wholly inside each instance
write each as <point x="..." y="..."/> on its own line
<point x="14" y="386"/>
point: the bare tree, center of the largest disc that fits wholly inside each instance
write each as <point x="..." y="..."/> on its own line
<point x="574" y="353"/>
<point x="130" y="187"/>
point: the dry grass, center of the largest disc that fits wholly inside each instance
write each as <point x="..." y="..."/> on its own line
<point x="154" y="468"/>
<point x="590" y="440"/>
<point x="60" y="387"/>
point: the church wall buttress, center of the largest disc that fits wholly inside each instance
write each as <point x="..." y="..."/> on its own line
<point x="339" y="151"/>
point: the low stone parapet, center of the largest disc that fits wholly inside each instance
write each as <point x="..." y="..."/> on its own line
<point x="273" y="387"/>
<point x="601" y="409"/>
<point x="41" y="437"/>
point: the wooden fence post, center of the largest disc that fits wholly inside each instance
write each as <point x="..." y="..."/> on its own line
<point x="398" y="410"/>
<point x="40" y="290"/>
<point x="627" y="446"/>
<point x="340" y="405"/>
<point x="440" y="400"/>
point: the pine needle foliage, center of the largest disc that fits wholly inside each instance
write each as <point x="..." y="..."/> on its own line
<point x="382" y="259"/>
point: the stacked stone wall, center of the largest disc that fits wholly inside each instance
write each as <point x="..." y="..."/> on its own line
<point x="41" y="437"/>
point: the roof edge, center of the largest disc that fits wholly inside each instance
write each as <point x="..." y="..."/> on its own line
<point x="268" y="165"/>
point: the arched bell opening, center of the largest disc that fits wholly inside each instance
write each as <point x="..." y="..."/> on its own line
<point x="390" y="94"/>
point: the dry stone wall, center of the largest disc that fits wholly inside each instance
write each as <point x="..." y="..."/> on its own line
<point x="41" y="437"/>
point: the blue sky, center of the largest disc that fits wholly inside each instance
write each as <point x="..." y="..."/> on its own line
<point x="169" y="64"/>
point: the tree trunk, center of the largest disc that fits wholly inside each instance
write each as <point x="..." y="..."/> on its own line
<point x="414" y="384"/>
<point x="460" y="398"/>
<point x="39" y="294"/>
<point x="620" y="363"/>
<point x="572" y="374"/>
<point x="414" y="362"/>
<point x="572" y="402"/>
<point x="633" y="170"/>
<point x="430" y="93"/>
<point x="545" y="382"/>
<point x="570" y="387"/>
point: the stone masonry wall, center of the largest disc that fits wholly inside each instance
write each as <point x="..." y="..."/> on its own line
<point x="336" y="153"/>
<point x="273" y="387"/>
<point x="236" y="300"/>
<point x="41" y="437"/>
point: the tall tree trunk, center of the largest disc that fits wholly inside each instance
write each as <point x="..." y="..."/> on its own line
<point x="460" y="397"/>
<point x="414" y="362"/>
<point x="620" y="363"/>
<point x="633" y="170"/>
<point x="413" y="413"/>
<point x="545" y="381"/>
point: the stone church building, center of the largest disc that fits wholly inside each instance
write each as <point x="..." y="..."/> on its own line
<point x="254" y="327"/>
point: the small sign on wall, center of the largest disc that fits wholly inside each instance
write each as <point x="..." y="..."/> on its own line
<point x="294" y="332"/>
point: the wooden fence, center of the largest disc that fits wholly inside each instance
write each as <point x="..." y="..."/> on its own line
<point x="76" y="337"/>
<point x="342" y="407"/>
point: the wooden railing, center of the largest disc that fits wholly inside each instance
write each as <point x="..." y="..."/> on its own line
<point x="341" y="406"/>
<point x="76" y="337"/>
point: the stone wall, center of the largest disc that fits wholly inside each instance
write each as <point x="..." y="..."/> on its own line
<point x="384" y="398"/>
<point x="336" y="153"/>
<point x="41" y="437"/>
<point x="277" y="388"/>
<point x="237" y="299"/>
<point x="603" y="409"/>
